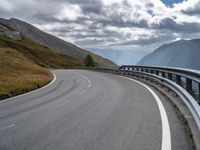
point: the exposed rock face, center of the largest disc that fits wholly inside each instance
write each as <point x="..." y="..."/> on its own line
<point x="12" y="34"/>
<point x="2" y="28"/>
<point x="183" y="54"/>
<point x="53" y="42"/>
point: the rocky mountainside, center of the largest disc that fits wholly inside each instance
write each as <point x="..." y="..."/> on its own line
<point x="53" y="42"/>
<point x="182" y="53"/>
<point x="35" y="52"/>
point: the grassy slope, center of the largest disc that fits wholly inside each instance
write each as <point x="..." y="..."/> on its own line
<point x="39" y="53"/>
<point x="18" y="74"/>
<point x="22" y="62"/>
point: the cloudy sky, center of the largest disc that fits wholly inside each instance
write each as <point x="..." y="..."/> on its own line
<point x="122" y="30"/>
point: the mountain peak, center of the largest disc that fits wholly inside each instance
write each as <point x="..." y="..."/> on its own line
<point x="181" y="53"/>
<point x="53" y="42"/>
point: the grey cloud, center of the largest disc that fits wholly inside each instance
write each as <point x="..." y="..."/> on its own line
<point x="88" y="6"/>
<point x="158" y="37"/>
<point x="192" y="12"/>
<point x="141" y="41"/>
<point x="195" y="10"/>
<point x="90" y="41"/>
<point x="100" y="18"/>
<point x="170" y="24"/>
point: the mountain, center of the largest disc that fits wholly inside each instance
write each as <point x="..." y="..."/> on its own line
<point x="121" y="57"/>
<point x="53" y="42"/>
<point x="23" y="62"/>
<point x="39" y="54"/>
<point x="182" y="53"/>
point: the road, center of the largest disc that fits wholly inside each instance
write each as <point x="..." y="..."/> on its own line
<point x="84" y="110"/>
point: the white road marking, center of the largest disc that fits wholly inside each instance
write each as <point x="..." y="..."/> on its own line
<point x="82" y="92"/>
<point x="83" y="76"/>
<point x="8" y="127"/>
<point x="166" y="136"/>
<point x="89" y="85"/>
<point x="18" y="96"/>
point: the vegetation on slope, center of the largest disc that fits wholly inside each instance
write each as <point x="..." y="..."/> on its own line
<point x="40" y="54"/>
<point x="23" y="62"/>
<point x="53" y="42"/>
<point x="89" y="61"/>
<point x="18" y="74"/>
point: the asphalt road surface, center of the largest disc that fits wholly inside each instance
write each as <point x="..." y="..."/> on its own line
<point x="84" y="110"/>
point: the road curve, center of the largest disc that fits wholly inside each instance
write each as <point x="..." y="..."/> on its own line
<point x="84" y="110"/>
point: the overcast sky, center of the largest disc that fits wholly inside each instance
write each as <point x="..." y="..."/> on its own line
<point x="111" y="27"/>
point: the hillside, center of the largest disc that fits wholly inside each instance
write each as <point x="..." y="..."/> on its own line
<point x="40" y="54"/>
<point x="18" y="74"/>
<point x="182" y="53"/>
<point x="21" y="62"/>
<point x="53" y="42"/>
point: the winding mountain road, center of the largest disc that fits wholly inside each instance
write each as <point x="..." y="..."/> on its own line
<point x="85" y="110"/>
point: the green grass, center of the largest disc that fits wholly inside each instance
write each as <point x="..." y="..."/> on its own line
<point x="18" y="74"/>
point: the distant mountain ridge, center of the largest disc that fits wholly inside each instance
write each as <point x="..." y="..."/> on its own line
<point x="182" y="54"/>
<point x="53" y="42"/>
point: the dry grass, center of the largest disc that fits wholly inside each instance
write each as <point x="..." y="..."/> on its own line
<point x="22" y="62"/>
<point x="18" y="74"/>
<point x="40" y="54"/>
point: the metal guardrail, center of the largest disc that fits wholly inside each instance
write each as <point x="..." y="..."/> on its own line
<point x="184" y="82"/>
<point x="186" y="78"/>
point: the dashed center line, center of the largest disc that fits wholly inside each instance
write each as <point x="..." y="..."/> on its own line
<point x="82" y="92"/>
<point x="88" y="81"/>
<point x="89" y="85"/>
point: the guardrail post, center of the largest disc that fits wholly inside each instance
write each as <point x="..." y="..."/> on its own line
<point x="178" y="79"/>
<point x="157" y="72"/>
<point x="163" y="74"/>
<point x="169" y="76"/>
<point x="189" y="85"/>
<point x="199" y="95"/>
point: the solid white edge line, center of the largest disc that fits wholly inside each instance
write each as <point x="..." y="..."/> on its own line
<point x="17" y="96"/>
<point x="166" y="136"/>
